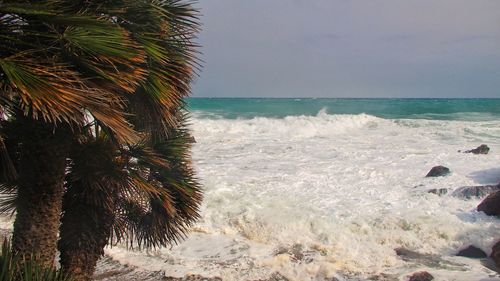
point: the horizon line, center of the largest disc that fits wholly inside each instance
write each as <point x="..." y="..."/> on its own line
<point x="366" y="98"/>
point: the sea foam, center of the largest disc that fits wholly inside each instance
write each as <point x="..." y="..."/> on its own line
<point x="313" y="197"/>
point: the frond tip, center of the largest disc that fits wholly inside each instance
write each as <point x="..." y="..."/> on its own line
<point x="148" y="190"/>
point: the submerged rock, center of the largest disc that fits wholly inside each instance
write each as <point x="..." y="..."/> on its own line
<point x="468" y="192"/>
<point x="384" y="277"/>
<point x="192" y="278"/>
<point x="111" y="270"/>
<point x="472" y="252"/>
<point x="438" y="191"/>
<point x="421" y="276"/>
<point x="296" y="253"/>
<point x="490" y="204"/>
<point x="495" y="253"/>
<point x="482" y="149"/>
<point x="275" y="277"/>
<point x="427" y="260"/>
<point x="438" y="171"/>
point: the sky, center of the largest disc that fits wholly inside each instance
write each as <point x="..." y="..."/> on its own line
<point x="349" y="48"/>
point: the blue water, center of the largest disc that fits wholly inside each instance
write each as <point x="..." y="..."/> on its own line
<point x="433" y="109"/>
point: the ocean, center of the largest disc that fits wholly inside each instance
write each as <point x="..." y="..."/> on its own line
<point x="316" y="189"/>
<point x="312" y="189"/>
<point x="432" y="109"/>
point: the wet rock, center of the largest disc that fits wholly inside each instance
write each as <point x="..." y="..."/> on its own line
<point x="438" y="171"/>
<point x="472" y="252"/>
<point x="482" y="149"/>
<point x="383" y="277"/>
<point x="110" y="270"/>
<point x="468" y="192"/>
<point x="427" y="260"/>
<point x="421" y="276"/>
<point x="409" y="255"/>
<point x="438" y="191"/>
<point x="490" y="204"/>
<point x="495" y="253"/>
<point x="275" y="277"/>
<point x="116" y="273"/>
<point x="193" y="278"/>
<point x="281" y="250"/>
<point x="296" y="252"/>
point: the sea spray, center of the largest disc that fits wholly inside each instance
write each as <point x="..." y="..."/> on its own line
<point x="348" y="189"/>
<point x="316" y="194"/>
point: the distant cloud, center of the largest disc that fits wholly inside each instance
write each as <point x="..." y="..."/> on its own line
<point x="331" y="48"/>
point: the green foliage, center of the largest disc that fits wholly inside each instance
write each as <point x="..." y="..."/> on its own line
<point x="52" y="60"/>
<point x="14" y="269"/>
<point x="151" y="186"/>
<point x="116" y="73"/>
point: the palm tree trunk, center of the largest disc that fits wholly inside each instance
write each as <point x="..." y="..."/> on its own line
<point x="84" y="234"/>
<point x="42" y="170"/>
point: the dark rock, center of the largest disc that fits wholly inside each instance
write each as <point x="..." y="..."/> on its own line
<point x="495" y="253"/>
<point x="427" y="260"/>
<point x="383" y="277"/>
<point x="421" y="276"/>
<point x="440" y="191"/>
<point x="472" y="252"/>
<point x="191" y="139"/>
<point x="468" y="192"/>
<point x="332" y="279"/>
<point x="278" y="277"/>
<point x="490" y="204"/>
<point x="296" y="252"/>
<point x="482" y="149"/>
<point x="402" y="252"/>
<point x="438" y="171"/>
<point x="192" y="278"/>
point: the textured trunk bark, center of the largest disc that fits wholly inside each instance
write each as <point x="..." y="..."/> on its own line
<point x="85" y="231"/>
<point x="40" y="190"/>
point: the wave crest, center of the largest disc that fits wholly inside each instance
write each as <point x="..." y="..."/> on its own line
<point x="322" y="124"/>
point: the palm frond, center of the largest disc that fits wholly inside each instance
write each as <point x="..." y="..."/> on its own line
<point x="109" y="53"/>
<point x="150" y="187"/>
<point x="166" y="30"/>
<point x="56" y="94"/>
<point x="8" y="171"/>
<point x="164" y="217"/>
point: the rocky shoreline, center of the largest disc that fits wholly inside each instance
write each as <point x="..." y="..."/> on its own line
<point x="111" y="270"/>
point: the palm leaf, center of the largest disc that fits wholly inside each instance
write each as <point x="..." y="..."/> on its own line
<point x="55" y="93"/>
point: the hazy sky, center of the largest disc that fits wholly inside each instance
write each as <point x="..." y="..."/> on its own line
<point x="350" y="48"/>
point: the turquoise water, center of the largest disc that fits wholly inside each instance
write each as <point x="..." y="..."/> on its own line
<point x="433" y="109"/>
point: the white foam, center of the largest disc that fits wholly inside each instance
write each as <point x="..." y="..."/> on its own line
<point x="346" y="190"/>
<point x="345" y="184"/>
<point x="333" y="195"/>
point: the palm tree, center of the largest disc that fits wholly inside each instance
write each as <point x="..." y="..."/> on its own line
<point x="105" y="75"/>
<point x="144" y="195"/>
<point x="57" y="70"/>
